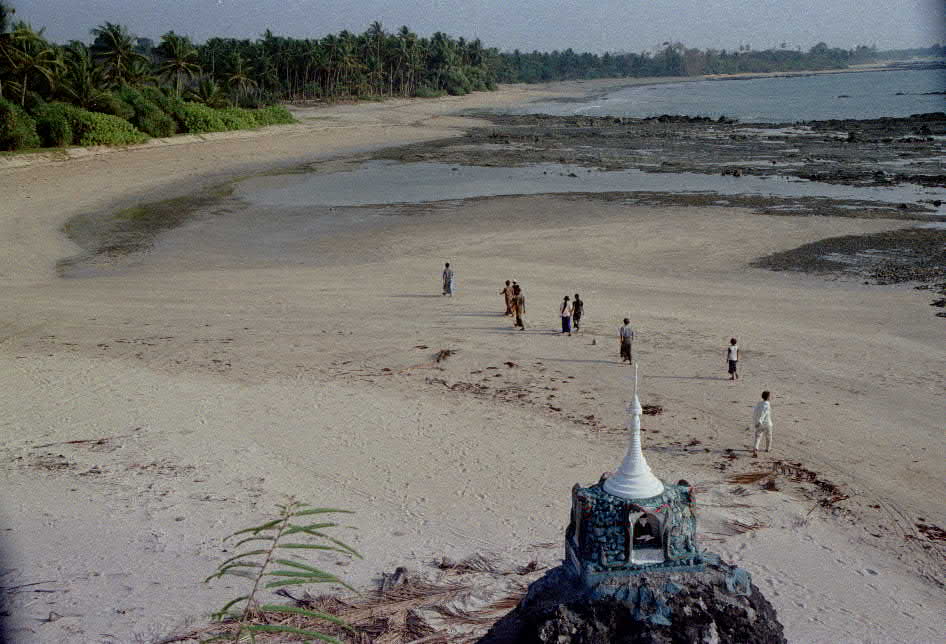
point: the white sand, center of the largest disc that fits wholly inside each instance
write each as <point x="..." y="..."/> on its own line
<point x="232" y="381"/>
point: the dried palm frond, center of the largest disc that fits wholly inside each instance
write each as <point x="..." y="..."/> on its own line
<point x="741" y="528"/>
<point x="475" y="563"/>
<point x="748" y="477"/>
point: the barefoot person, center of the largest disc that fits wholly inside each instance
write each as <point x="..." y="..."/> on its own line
<point x="732" y="357"/>
<point x="518" y="306"/>
<point x="448" y="280"/>
<point x="762" y="424"/>
<point x="507" y="295"/>
<point x="565" y="311"/>
<point x="626" y="337"/>
<point x="578" y="309"/>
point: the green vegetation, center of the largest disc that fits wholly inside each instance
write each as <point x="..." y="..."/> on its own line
<point x="200" y="118"/>
<point x="54" y="125"/>
<point x="675" y="59"/>
<point x="95" y="128"/>
<point x="117" y="91"/>
<point x="17" y="128"/>
<point x="270" y="556"/>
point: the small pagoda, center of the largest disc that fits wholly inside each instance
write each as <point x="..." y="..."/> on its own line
<point x="631" y="522"/>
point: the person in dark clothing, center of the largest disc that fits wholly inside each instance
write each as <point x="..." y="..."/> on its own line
<point x="626" y="337"/>
<point x="578" y="309"/>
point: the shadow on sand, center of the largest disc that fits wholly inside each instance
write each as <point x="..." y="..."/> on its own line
<point x="686" y="378"/>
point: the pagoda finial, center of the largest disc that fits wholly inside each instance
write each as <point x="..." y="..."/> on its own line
<point x="633" y="479"/>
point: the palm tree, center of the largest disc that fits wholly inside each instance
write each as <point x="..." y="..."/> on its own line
<point x="114" y="47"/>
<point x="82" y="80"/>
<point x="180" y="59"/>
<point x="238" y="79"/>
<point x="208" y="92"/>
<point x="28" y="56"/>
<point x="375" y="39"/>
<point x="140" y="73"/>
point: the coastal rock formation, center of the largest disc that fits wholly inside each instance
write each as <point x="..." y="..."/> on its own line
<point x="718" y="605"/>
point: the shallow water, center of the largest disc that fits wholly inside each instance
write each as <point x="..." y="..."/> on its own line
<point x="390" y="182"/>
<point x="862" y="95"/>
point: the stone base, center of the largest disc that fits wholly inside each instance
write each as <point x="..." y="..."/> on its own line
<point x="719" y="604"/>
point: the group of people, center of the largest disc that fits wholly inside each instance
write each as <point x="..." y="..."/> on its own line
<point x="571" y="312"/>
<point x="515" y="303"/>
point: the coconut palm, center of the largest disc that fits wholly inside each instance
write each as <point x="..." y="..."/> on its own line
<point x="208" y="92"/>
<point x="29" y="57"/>
<point x="82" y="80"/>
<point x="238" y="79"/>
<point x="179" y="60"/>
<point x="140" y="73"/>
<point x="114" y="48"/>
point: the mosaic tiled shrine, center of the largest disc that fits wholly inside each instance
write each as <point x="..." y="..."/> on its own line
<point x="609" y="534"/>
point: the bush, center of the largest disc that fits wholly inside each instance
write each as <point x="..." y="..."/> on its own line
<point x="108" y="103"/>
<point x="34" y="103"/>
<point x="200" y="118"/>
<point x="237" y="118"/>
<point x="173" y="106"/>
<point x="17" y="128"/>
<point x="148" y="118"/>
<point x="94" y="128"/>
<point x="273" y="115"/>
<point x="457" y="84"/>
<point x="54" y="125"/>
<point x="424" y="91"/>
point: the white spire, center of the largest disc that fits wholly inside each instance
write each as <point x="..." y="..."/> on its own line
<point x="634" y="480"/>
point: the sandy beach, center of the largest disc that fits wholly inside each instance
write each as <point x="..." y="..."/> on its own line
<point x="254" y="353"/>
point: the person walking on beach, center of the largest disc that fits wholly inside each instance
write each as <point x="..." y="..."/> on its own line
<point x="578" y="309"/>
<point x="565" y="311"/>
<point x="626" y="337"/>
<point x="518" y="306"/>
<point x="508" y="295"/>
<point x="762" y="424"/>
<point x="732" y="356"/>
<point x="448" y="280"/>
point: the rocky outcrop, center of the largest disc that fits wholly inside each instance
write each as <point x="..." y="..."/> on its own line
<point x="718" y="605"/>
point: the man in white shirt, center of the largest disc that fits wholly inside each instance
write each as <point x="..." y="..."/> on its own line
<point x="565" y="311"/>
<point x="762" y="423"/>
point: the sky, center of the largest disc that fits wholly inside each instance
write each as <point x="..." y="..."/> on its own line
<point x="583" y="25"/>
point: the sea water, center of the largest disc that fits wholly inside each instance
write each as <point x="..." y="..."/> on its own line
<point x="390" y="182"/>
<point x="852" y="95"/>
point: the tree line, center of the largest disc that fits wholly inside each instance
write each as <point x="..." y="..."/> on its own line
<point x="675" y="59"/>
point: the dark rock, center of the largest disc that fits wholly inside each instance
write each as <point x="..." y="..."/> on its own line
<point x="718" y="605"/>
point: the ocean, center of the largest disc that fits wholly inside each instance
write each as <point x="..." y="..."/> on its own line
<point x="854" y="95"/>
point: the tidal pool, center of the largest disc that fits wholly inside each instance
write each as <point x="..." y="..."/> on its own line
<point x="392" y="182"/>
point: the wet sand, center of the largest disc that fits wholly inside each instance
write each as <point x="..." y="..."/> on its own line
<point x="245" y="355"/>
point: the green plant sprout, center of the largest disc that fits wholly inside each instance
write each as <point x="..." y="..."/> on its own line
<point x="268" y="568"/>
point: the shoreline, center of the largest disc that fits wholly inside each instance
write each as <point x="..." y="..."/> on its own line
<point x="248" y="355"/>
<point x="570" y="90"/>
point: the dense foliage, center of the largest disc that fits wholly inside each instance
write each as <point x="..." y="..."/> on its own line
<point x="116" y="91"/>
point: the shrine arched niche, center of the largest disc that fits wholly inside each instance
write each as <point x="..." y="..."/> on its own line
<point x="645" y="538"/>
